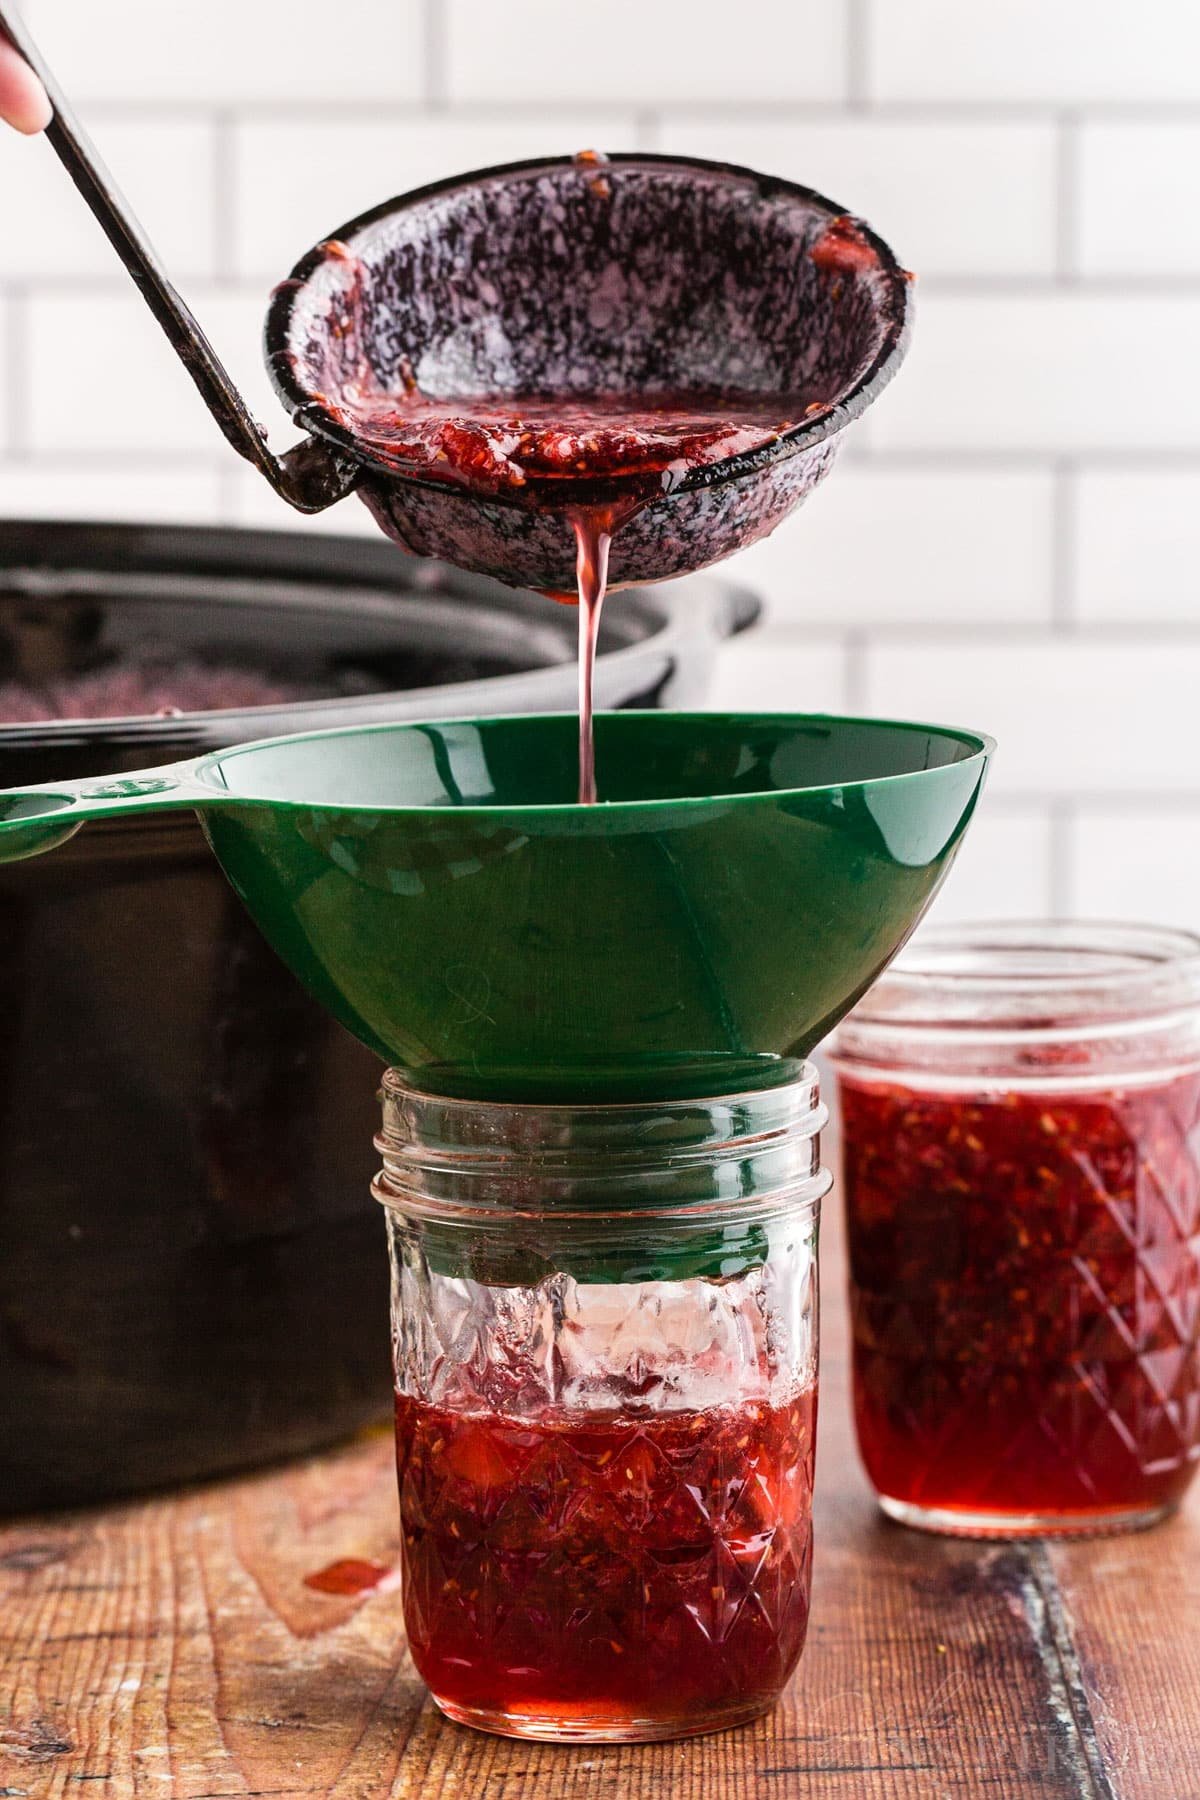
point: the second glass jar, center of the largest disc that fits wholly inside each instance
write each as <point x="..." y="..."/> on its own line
<point x="605" y="1349"/>
<point x="1021" y="1123"/>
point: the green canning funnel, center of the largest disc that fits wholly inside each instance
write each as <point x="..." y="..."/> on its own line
<point x="742" y="882"/>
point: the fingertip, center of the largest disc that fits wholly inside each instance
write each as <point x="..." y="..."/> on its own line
<point x="36" y="114"/>
<point x="24" y="102"/>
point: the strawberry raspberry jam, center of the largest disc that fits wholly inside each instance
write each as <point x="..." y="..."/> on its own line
<point x="1021" y="1124"/>
<point x="624" y="1572"/>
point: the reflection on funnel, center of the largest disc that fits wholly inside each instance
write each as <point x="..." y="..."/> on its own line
<point x="436" y="888"/>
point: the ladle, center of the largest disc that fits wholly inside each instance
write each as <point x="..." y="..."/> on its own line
<point x="438" y="889"/>
<point x="307" y="476"/>
<point x="648" y="274"/>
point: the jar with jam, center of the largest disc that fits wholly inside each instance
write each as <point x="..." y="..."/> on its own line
<point x="605" y="1352"/>
<point x="1021" y="1122"/>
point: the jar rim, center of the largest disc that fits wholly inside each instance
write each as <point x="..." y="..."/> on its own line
<point x="1036" y="972"/>
<point x="430" y="1130"/>
<point x="561" y="1163"/>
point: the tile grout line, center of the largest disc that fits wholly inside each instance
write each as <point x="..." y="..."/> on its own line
<point x="780" y="111"/>
<point x="91" y="462"/>
<point x="1164" y="285"/>
<point x="225" y="191"/>
<point x="647" y="128"/>
<point x="1063" y="563"/>
<point x="891" y="633"/>
<point x="857" y="49"/>
<point x="436" y="56"/>
<point x="952" y="458"/>
<point x="228" y="491"/>
<point x="1062" y="816"/>
<point x="1066" y="199"/>
<point x="1148" y="802"/>
<point x="854" y="656"/>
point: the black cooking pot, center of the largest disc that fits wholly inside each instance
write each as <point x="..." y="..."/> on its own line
<point x="192" y="1276"/>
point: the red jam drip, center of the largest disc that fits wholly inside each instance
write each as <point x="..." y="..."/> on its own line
<point x="1025" y="1288"/>
<point x="606" y="1567"/>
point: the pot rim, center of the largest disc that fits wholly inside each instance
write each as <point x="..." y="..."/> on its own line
<point x="681" y="617"/>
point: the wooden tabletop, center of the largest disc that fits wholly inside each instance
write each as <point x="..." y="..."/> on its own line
<point x="170" y="1649"/>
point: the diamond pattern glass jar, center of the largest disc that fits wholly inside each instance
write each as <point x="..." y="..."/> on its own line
<point x="605" y="1349"/>
<point x="1021" y="1119"/>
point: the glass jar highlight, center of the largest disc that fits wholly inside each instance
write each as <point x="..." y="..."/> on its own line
<point x="1021" y="1125"/>
<point x="605" y="1350"/>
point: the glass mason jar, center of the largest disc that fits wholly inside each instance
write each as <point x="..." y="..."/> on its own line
<point x="605" y="1351"/>
<point x="1021" y="1121"/>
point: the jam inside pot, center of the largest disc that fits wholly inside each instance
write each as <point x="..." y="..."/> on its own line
<point x="643" y="1575"/>
<point x="1025" y="1292"/>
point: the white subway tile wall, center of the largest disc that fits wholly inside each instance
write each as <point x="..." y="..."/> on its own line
<point x="789" y="672"/>
<point x="1052" y="52"/>
<point x="1003" y="869"/>
<point x="1012" y="538"/>
<point x="1057" y="372"/>
<point x="166" y="169"/>
<point x="1078" y="717"/>
<point x="222" y="53"/>
<point x="957" y="197"/>
<point x="100" y="376"/>
<point x="284" y="201"/>
<point x="886" y="546"/>
<point x="1139" y="199"/>
<point x="1134" y="549"/>
<point x="668" y="50"/>
<point x="1135" y="863"/>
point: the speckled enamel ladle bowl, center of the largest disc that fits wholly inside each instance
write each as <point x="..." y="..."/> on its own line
<point x="652" y="275"/>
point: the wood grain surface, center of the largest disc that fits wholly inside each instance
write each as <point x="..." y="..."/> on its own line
<point x="170" y="1650"/>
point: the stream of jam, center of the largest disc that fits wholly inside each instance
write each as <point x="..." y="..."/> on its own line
<point x="555" y="446"/>
<point x="550" y="450"/>
<point x="1025" y="1291"/>
<point x="605" y="1568"/>
<point x="563" y="441"/>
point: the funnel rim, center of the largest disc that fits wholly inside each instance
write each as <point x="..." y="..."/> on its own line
<point x="979" y="746"/>
<point x="311" y="411"/>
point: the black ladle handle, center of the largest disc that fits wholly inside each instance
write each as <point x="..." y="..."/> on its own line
<point x="310" y="476"/>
